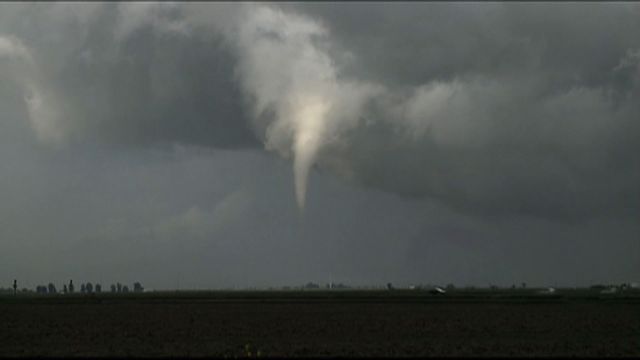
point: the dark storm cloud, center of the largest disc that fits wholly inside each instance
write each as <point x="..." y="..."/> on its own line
<point x="128" y="73"/>
<point x="527" y="108"/>
<point x="413" y="44"/>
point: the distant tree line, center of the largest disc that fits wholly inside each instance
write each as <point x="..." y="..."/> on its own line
<point x="85" y="288"/>
<point x="623" y="286"/>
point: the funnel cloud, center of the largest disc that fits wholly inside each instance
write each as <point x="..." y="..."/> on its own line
<point x="294" y="87"/>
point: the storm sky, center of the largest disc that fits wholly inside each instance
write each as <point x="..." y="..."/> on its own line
<point x="213" y="145"/>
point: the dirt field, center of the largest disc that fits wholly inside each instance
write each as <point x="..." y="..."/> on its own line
<point x="281" y="326"/>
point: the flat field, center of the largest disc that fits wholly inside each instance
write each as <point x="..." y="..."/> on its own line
<point x="321" y="323"/>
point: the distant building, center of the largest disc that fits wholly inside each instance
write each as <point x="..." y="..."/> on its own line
<point x="609" y="290"/>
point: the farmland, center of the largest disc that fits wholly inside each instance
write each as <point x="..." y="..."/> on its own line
<point x="322" y="323"/>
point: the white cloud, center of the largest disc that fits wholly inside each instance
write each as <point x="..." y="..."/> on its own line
<point x="43" y="116"/>
<point x="285" y="71"/>
<point x="12" y="48"/>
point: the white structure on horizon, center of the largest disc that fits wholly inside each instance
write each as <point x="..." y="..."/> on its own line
<point x="437" y="291"/>
<point x="547" y="291"/>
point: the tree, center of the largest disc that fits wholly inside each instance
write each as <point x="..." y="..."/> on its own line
<point x="312" y="285"/>
<point x="125" y="289"/>
<point x="89" y="287"/>
<point x="71" y="287"/>
<point x="98" y="288"/>
<point x="52" y="289"/>
<point x="64" y="289"/>
<point x="15" y="287"/>
<point x="137" y="287"/>
<point x="389" y="286"/>
<point x="113" y="288"/>
<point x="119" y="287"/>
<point x="83" y="288"/>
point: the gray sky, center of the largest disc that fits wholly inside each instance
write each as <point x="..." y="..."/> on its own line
<point x="219" y="145"/>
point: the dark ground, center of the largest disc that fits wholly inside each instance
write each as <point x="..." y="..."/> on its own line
<point x="317" y="323"/>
